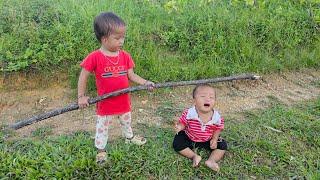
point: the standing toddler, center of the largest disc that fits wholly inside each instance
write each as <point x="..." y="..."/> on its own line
<point x="113" y="68"/>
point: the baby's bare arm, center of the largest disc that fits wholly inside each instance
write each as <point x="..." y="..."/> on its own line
<point x="179" y="127"/>
<point x="214" y="139"/>
<point x="216" y="135"/>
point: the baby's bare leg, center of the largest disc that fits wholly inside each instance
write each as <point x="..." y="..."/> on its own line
<point x="187" y="152"/>
<point x="215" y="156"/>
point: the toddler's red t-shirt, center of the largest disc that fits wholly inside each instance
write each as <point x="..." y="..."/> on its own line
<point x="111" y="74"/>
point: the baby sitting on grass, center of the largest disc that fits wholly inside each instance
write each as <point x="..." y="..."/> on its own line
<point x="200" y="127"/>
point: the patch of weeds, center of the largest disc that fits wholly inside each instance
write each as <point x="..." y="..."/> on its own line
<point x="42" y="131"/>
<point x="116" y="155"/>
<point x="273" y="100"/>
<point x="5" y="132"/>
<point x="24" y="146"/>
<point x="315" y="83"/>
<point x="168" y="110"/>
<point x="82" y="133"/>
<point x="251" y="114"/>
<point x="314" y="109"/>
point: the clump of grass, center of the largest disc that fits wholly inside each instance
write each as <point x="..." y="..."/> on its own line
<point x="316" y="83"/>
<point x="42" y="131"/>
<point x="168" y="110"/>
<point x="273" y="100"/>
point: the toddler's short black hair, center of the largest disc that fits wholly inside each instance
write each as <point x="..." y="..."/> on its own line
<point x="105" y="23"/>
<point x="194" y="92"/>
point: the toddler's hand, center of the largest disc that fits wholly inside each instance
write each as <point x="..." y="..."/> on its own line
<point x="149" y="84"/>
<point x="83" y="101"/>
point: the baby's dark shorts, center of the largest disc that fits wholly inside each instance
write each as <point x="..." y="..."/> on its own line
<point x="182" y="141"/>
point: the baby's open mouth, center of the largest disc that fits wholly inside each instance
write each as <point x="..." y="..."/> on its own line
<point x="206" y="105"/>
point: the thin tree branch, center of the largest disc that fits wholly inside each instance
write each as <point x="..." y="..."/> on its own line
<point x="74" y="106"/>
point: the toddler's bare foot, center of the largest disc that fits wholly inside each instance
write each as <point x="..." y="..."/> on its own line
<point x="213" y="165"/>
<point x="196" y="160"/>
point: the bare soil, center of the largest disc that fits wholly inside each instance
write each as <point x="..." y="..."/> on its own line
<point x="22" y="97"/>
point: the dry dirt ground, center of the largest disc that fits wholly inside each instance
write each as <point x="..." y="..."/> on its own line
<point x="23" y="97"/>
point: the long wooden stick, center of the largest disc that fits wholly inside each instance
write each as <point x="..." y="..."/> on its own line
<point x="74" y="106"/>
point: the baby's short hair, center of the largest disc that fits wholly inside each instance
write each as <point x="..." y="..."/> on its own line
<point x="105" y="23"/>
<point x="194" y="92"/>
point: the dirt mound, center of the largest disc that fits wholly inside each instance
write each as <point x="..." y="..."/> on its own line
<point x="157" y="108"/>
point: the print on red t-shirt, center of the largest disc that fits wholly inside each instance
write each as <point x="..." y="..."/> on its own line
<point x="111" y="74"/>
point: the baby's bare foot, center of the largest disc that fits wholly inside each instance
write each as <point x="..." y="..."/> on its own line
<point x="196" y="160"/>
<point x="213" y="165"/>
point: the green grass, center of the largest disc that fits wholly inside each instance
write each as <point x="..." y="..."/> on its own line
<point x="42" y="131"/>
<point x="169" y="40"/>
<point x="254" y="151"/>
<point x="167" y="110"/>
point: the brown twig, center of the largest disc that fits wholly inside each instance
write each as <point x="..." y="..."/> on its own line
<point x="74" y="106"/>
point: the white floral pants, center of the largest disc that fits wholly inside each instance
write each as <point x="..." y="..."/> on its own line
<point x="104" y="123"/>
